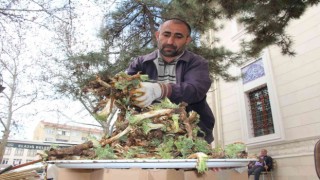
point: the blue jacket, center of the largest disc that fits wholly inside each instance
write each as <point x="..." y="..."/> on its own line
<point x="192" y="84"/>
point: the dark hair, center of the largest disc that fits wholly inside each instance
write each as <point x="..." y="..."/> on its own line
<point x="178" y="20"/>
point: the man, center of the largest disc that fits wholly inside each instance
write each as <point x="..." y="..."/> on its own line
<point x="181" y="75"/>
<point x="264" y="163"/>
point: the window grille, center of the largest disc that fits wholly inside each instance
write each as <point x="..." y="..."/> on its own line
<point x="5" y="161"/>
<point x="17" y="161"/>
<point x="19" y="152"/>
<point x="32" y="152"/>
<point x="8" y="151"/>
<point x="29" y="160"/>
<point x="262" y="122"/>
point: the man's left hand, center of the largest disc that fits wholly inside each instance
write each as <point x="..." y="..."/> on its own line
<point x="146" y="94"/>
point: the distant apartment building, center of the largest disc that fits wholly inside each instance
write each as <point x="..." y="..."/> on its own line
<point x="46" y="135"/>
<point x="47" y="131"/>
<point x="22" y="151"/>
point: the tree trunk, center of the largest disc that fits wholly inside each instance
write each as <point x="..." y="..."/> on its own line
<point x="3" y="143"/>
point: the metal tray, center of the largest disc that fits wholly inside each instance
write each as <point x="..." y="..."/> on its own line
<point x="147" y="163"/>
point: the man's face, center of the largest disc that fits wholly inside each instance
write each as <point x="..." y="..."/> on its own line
<point x="172" y="39"/>
<point x="263" y="152"/>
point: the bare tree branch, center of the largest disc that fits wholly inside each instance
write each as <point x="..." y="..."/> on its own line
<point x="3" y="124"/>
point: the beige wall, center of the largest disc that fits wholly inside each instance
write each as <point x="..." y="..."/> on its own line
<point x="38" y="132"/>
<point x="46" y="131"/>
<point x="296" y="85"/>
<point x="298" y="81"/>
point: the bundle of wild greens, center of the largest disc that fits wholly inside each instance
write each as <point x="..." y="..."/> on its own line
<point x="163" y="130"/>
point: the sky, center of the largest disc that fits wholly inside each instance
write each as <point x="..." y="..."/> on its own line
<point x="70" y="112"/>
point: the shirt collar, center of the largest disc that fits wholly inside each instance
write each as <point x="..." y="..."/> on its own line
<point x="185" y="56"/>
<point x="176" y="59"/>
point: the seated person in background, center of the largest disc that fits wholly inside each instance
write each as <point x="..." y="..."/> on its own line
<point x="264" y="163"/>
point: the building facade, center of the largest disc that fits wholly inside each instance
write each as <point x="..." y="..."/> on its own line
<point x="21" y="151"/>
<point x="46" y="131"/>
<point x="276" y="104"/>
<point x="47" y="135"/>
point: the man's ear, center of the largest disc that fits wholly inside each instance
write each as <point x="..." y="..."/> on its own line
<point x="189" y="39"/>
<point x="157" y="34"/>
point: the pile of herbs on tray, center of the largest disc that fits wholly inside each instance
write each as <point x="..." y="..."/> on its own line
<point x="163" y="130"/>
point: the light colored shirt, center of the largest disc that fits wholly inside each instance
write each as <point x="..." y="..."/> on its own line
<point x="166" y="71"/>
<point x="260" y="162"/>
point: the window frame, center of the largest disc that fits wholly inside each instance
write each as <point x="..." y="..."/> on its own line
<point x="19" y="152"/>
<point x="29" y="160"/>
<point x="264" y="118"/>
<point x="8" y="151"/>
<point x="266" y="80"/>
<point x="5" y="161"/>
<point x="14" y="162"/>
<point x="49" y="131"/>
<point x="237" y="29"/>
<point x="31" y="153"/>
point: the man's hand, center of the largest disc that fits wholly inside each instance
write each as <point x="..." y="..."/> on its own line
<point x="146" y="94"/>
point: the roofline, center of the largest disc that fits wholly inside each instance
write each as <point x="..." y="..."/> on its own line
<point x="68" y="127"/>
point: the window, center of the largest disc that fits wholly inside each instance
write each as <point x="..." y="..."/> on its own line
<point x="63" y="133"/>
<point x="18" y="152"/>
<point x="17" y="161"/>
<point x="253" y="71"/>
<point x="31" y="152"/>
<point x="50" y="131"/>
<point x="62" y="140"/>
<point x="237" y="29"/>
<point x="5" y="161"/>
<point x="8" y="151"/>
<point x="75" y="133"/>
<point x="29" y="160"/>
<point x="261" y="114"/>
<point x="48" y="139"/>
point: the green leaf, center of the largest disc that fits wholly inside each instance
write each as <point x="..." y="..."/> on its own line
<point x="105" y="152"/>
<point x="231" y="150"/>
<point x="202" y="162"/>
<point x="200" y="145"/>
<point x="175" y="118"/>
<point x="184" y="146"/>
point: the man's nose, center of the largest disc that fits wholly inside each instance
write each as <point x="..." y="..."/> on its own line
<point x="170" y="40"/>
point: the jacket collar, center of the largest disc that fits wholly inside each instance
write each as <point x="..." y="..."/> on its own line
<point x="152" y="56"/>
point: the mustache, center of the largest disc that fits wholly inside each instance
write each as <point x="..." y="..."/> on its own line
<point x="169" y="46"/>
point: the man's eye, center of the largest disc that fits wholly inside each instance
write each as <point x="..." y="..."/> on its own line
<point x="178" y="36"/>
